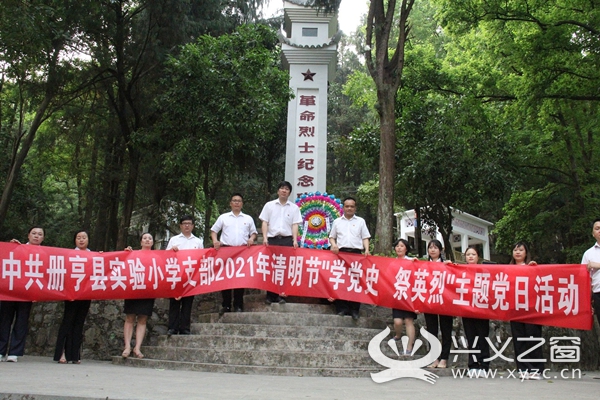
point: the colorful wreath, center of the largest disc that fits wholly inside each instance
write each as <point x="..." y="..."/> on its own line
<point x="318" y="210"/>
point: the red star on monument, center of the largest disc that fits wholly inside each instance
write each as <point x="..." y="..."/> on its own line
<point x="308" y="76"/>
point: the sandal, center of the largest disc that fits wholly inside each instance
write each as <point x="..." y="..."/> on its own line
<point x="138" y="354"/>
<point x="62" y="361"/>
<point x="442" y="364"/>
<point x="126" y="353"/>
<point x="396" y="338"/>
<point x="434" y="364"/>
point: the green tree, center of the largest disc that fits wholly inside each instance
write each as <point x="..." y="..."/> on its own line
<point x="539" y="63"/>
<point x="387" y="33"/>
<point x="225" y="96"/>
<point x="35" y="44"/>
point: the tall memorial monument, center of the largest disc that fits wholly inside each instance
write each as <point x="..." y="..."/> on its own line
<point x="309" y="45"/>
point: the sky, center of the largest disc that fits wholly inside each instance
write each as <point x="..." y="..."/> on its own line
<point x="350" y="12"/>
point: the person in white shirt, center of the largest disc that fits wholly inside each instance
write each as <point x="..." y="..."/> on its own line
<point x="237" y="229"/>
<point x="591" y="259"/>
<point x="280" y="219"/>
<point x="349" y="234"/>
<point x="180" y="309"/>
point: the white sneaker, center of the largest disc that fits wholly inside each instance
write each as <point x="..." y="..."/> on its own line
<point x="11" y="359"/>
<point x="524" y="376"/>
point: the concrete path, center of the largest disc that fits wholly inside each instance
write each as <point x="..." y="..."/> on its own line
<point x="39" y="378"/>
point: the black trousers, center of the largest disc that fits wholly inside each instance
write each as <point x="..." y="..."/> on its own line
<point x="444" y="325"/>
<point x="180" y="313"/>
<point x="347" y="306"/>
<point x="238" y="298"/>
<point x="477" y="329"/>
<point x="70" y="333"/>
<point x="17" y="312"/>
<point x="596" y="299"/>
<point x="287" y="241"/>
<point x="524" y="330"/>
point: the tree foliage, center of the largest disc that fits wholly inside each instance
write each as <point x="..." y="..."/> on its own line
<point x="225" y="95"/>
<point x="538" y="62"/>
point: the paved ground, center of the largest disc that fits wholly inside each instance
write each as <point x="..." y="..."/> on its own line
<point x="42" y="379"/>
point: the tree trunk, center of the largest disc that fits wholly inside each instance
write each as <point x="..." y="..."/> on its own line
<point x="15" y="168"/>
<point x="386" y="70"/>
<point x="129" y="201"/>
<point x="418" y="231"/>
<point x="387" y="168"/>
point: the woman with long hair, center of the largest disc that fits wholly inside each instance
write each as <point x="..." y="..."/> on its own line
<point x="70" y="333"/>
<point x="139" y="309"/>
<point x="402" y="247"/>
<point x="527" y="369"/>
<point x="476" y="330"/>
<point x="435" y="321"/>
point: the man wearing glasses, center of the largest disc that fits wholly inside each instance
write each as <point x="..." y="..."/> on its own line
<point x="237" y="229"/>
<point x="280" y="219"/>
<point x="180" y="309"/>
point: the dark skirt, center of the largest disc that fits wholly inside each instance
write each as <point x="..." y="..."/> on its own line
<point x="139" y="306"/>
<point x="403" y="314"/>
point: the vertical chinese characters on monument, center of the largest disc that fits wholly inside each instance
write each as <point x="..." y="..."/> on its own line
<point x="307" y="133"/>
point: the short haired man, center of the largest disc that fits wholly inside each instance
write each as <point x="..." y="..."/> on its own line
<point x="349" y="234"/>
<point x="591" y="258"/>
<point x="280" y="219"/>
<point x="237" y="229"/>
<point x="180" y="309"/>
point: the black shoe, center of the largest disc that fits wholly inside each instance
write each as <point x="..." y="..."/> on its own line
<point x="281" y="301"/>
<point x="355" y="315"/>
<point x="239" y="309"/>
<point x="224" y="310"/>
<point x="268" y="301"/>
<point x="341" y="313"/>
<point x="172" y="332"/>
<point x="185" y="332"/>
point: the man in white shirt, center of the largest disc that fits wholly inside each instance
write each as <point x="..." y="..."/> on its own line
<point x="280" y="219"/>
<point x="180" y="309"/>
<point x="349" y="234"/>
<point x="591" y="258"/>
<point x="237" y="229"/>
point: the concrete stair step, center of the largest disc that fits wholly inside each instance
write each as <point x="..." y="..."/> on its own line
<point x="360" y="372"/>
<point x="347" y="372"/>
<point x="236" y="342"/>
<point x="290" y="307"/>
<point x="301" y="319"/>
<point x="302" y="359"/>
<point x="282" y="344"/>
<point x="282" y="331"/>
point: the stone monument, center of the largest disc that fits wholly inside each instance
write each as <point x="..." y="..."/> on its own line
<point x="309" y="44"/>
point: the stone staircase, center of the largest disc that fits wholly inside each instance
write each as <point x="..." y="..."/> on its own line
<point x="290" y="339"/>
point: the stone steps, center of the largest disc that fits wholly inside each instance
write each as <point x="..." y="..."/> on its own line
<point x="301" y="319"/>
<point x="303" y="339"/>
<point x="279" y="331"/>
<point x="274" y="358"/>
<point x="262" y="343"/>
<point x="352" y="372"/>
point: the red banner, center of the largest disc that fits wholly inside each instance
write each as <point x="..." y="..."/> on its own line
<point x="557" y="295"/>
